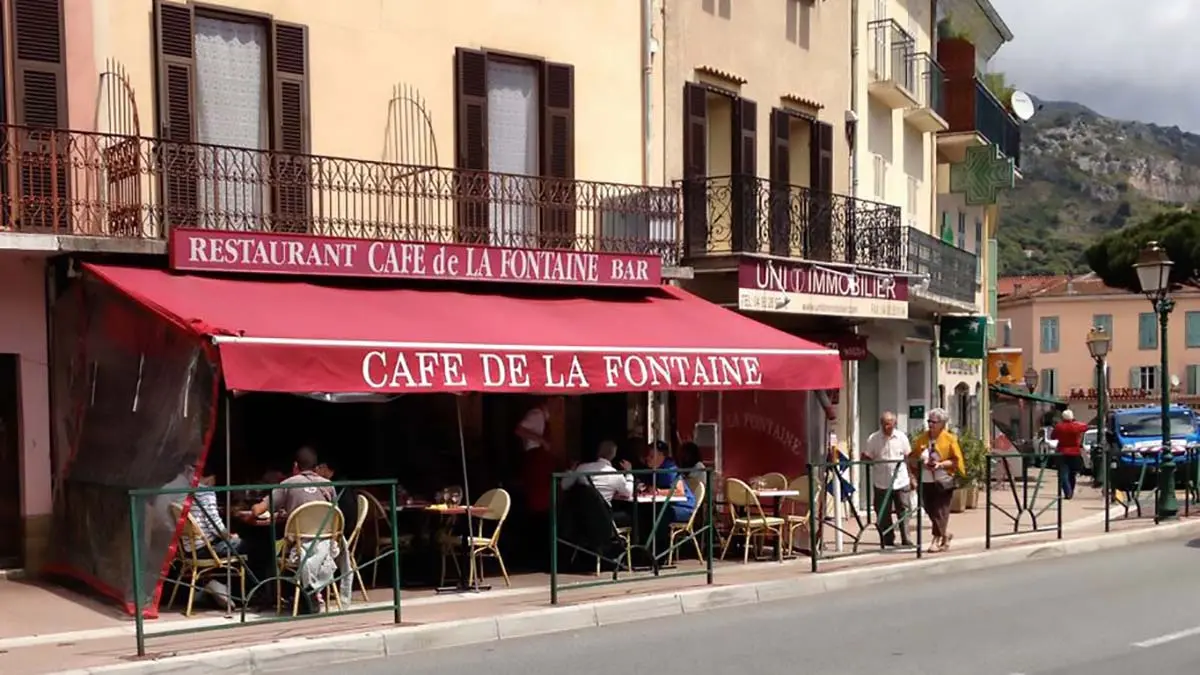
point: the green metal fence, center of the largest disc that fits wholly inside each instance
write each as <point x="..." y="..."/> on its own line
<point x="570" y="532"/>
<point x="152" y="507"/>
<point x="1126" y="476"/>
<point x="1024" y="513"/>
<point x="903" y="506"/>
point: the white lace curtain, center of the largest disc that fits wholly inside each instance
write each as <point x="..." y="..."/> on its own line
<point x="513" y="146"/>
<point x="231" y="111"/>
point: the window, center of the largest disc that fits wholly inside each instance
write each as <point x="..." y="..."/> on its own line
<point x="1191" y="327"/>
<point x="1147" y="331"/>
<point x="913" y="189"/>
<point x="1192" y="383"/>
<point x="1104" y="322"/>
<point x="516" y="117"/>
<point x="222" y="85"/>
<point x="1048" y="381"/>
<point x="978" y="235"/>
<point x="880" y="168"/>
<point x="1049" y="342"/>
<point x="1007" y="333"/>
<point x="1144" y="377"/>
<point x="962" y="231"/>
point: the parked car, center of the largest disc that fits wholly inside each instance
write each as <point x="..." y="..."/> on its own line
<point x="1090" y="438"/>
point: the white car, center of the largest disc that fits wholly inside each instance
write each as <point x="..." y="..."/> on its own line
<point x="1090" y="438"/>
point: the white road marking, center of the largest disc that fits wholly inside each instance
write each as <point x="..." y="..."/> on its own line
<point x="1170" y="637"/>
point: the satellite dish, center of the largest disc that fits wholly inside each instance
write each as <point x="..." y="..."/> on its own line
<point x="1174" y="380"/>
<point x="1022" y="105"/>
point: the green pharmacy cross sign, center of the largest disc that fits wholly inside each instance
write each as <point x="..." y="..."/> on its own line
<point x="982" y="174"/>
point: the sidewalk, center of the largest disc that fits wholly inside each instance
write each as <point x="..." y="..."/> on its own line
<point x="48" y="629"/>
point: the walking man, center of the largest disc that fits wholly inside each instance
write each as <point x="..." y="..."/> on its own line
<point x="890" y="447"/>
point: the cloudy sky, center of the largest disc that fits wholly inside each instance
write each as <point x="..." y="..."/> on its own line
<point x="1132" y="59"/>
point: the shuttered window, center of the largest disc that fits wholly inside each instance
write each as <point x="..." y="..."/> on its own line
<point x="1147" y="330"/>
<point x="514" y="117"/>
<point x="744" y="186"/>
<point x="820" y="215"/>
<point x="199" y="53"/>
<point x="1049" y="341"/>
<point x="1191" y="327"/>
<point x="39" y="89"/>
<point x="695" y="168"/>
<point x="1192" y="380"/>
<point x="781" y="182"/>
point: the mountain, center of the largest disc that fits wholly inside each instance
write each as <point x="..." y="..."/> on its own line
<point x="1085" y="174"/>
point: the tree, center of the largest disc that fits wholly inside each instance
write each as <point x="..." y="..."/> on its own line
<point x="1178" y="232"/>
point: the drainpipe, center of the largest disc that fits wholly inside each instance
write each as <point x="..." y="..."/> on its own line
<point x="647" y="87"/>
<point x="852" y="409"/>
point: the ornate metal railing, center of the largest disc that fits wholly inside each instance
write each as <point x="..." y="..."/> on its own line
<point x="105" y="185"/>
<point x="744" y="214"/>
<point x="952" y="271"/>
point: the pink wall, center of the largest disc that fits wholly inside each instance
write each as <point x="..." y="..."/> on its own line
<point x="23" y="332"/>
<point x="83" y="76"/>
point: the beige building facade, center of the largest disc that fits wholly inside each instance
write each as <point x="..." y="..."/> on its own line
<point x="1048" y="319"/>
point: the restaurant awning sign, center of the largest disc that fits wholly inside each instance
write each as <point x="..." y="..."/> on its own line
<point x="273" y="253"/>
<point x="963" y="337"/>
<point x="791" y="287"/>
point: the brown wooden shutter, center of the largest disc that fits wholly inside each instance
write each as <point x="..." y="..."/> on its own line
<point x="558" y="157"/>
<point x="175" y="34"/>
<point x="40" y="88"/>
<point x="819" y="231"/>
<point x="695" y="168"/>
<point x="470" y="144"/>
<point x="781" y="175"/>
<point x="290" y="168"/>
<point x="744" y="181"/>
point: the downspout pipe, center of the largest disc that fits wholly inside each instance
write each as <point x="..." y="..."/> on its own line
<point x="853" y="405"/>
<point x="647" y="88"/>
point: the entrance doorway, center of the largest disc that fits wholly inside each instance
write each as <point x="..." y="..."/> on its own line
<point x="10" y="463"/>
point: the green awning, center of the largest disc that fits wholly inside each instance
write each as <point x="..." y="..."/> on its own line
<point x="1023" y="394"/>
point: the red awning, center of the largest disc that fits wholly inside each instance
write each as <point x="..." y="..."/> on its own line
<point x="299" y="337"/>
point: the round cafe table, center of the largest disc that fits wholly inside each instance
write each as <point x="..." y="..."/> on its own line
<point x="468" y="583"/>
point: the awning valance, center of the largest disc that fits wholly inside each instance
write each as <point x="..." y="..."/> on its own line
<point x="295" y="336"/>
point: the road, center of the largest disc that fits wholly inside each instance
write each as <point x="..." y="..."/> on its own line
<point x="1114" y="613"/>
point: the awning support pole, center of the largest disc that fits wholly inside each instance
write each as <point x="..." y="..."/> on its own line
<point x="462" y="451"/>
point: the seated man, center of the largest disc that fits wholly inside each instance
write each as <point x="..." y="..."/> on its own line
<point x="610" y="484"/>
<point x="299" y="489"/>
<point x="208" y="519"/>
<point x="669" y="481"/>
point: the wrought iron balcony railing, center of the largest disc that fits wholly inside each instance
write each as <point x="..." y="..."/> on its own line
<point x="103" y="185"/>
<point x="726" y="215"/>
<point x="952" y="271"/>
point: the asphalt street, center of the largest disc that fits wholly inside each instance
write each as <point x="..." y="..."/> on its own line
<point x="1114" y="613"/>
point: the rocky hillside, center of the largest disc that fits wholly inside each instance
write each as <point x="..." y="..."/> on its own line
<point x="1084" y="175"/>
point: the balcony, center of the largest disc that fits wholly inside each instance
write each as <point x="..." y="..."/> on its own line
<point x="929" y="115"/>
<point x="952" y="271"/>
<point x="117" y="187"/>
<point x="730" y="215"/>
<point x="893" y="73"/>
<point x="975" y="116"/>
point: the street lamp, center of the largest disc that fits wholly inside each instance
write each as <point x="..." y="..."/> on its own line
<point x="1099" y="342"/>
<point x="1154" y="275"/>
<point x="1031" y="383"/>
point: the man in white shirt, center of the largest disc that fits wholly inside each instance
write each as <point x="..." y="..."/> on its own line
<point x="890" y="446"/>
<point x="609" y="483"/>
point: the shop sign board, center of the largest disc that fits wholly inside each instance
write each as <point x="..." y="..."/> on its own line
<point x="797" y="287"/>
<point x="193" y="250"/>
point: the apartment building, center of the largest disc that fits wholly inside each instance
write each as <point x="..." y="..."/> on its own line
<point x="518" y="123"/>
<point x="1048" y="319"/>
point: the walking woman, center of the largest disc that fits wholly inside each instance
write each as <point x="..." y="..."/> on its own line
<point x="937" y="453"/>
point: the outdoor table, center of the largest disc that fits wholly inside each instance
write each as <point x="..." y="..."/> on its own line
<point x="635" y="542"/>
<point x="777" y="497"/>
<point x="464" y="583"/>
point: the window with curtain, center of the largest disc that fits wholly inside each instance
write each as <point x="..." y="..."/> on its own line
<point x="232" y="111"/>
<point x="1147" y="331"/>
<point x="1192" y="380"/>
<point x="1049" y="341"/>
<point x="1191" y="326"/>
<point x="514" y="149"/>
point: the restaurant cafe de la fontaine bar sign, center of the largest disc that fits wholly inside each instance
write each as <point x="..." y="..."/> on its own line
<point x="771" y="285"/>
<point x="271" y="253"/>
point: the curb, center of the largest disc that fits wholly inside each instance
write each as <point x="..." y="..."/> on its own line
<point x="307" y="653"/>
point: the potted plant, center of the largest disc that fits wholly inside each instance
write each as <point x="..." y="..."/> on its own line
<point x="975" y="457"/>
<point x="955" y="48"/>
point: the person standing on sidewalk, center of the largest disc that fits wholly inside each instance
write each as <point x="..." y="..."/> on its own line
<point x="889" y="478"/>
<point x="1069" y="434"/>
<point x="936" y="453"/>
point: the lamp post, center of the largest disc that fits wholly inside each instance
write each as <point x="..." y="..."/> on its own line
<point x="1031" y="383"/>
<point x="1099" y="342"/>
<point x="1154" y="275"/>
